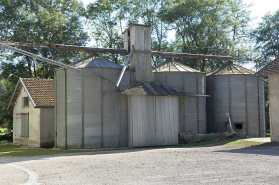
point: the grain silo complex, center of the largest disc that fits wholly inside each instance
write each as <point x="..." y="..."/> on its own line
<point x="192" y="109"/>
<point x="100" y="104"/>
<point x="237" y="91"/>
<point x="94" y="112"/>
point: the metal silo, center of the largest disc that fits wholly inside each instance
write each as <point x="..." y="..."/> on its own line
<point x="237" y="91"/>
<point x="193" y="107"/>
<point x="90" y="113"/>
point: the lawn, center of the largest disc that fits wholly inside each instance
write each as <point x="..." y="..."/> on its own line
<point x="8" y="149"/>
<point x="242" y="144"/>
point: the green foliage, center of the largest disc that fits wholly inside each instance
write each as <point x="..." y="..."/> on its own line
<point x="207" y="27"/>
<point x="267" y="38"/>
<point x="47" y="22"/>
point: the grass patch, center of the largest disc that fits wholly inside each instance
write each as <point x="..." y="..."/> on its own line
<point x="14" y="150"/>
<point x="210" y="143"/>
<point x="2" y="131"/>
<point x="242" y="144"/>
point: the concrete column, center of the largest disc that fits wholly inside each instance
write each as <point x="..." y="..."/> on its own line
<point x="273" y="80"/>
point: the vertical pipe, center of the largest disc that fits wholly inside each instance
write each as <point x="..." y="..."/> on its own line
<point x="198" y="112"/>
<point x="119" y="120"/>
<point x="55" y="110"/>
<point x="246" y="106"/>
<point x="102" y="115"/>
<point x="215" y="129"/>
<point x="230" y="97"/>
<point x="259" y="109"/>
<point x="183" y="108"/>
<point x="82" y="107"/>
<point x="66" y="126"/>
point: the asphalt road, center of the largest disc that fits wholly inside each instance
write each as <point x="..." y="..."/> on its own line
<point x="196" y="165"/>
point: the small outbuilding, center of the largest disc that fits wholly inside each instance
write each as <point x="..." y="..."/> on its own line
<point x="32" y="104"/>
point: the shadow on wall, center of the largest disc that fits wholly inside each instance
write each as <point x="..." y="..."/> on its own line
<point x="263" y="149"/>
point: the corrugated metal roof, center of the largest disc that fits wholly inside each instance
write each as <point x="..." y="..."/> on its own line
<point x="171" y="66"/>
<point x="40" y="92"/>
<point x="154" y="89"/>
<point x="230" y="68"/>
<point x="96" y="63"/>
<point x="272" y="67"/>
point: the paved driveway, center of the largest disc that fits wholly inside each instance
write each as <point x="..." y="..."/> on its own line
<point x="198" y="165"/>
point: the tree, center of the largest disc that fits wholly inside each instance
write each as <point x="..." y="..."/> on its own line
<point x="207" y="27"/>
<point x="48" y="22"/>
<point x="266" y="36"/>
<point x="106" y="18"/>
<point x="147" y="12"/>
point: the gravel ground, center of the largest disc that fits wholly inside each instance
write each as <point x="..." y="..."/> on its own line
<point x="195" y="165"/>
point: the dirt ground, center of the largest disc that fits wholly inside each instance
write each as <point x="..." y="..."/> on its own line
<point x="194" y="165"/>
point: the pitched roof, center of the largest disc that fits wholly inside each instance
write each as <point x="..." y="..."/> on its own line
<point x="39" y="91"/>
<point x="230" y="68"/>
<point x="154" y="89"/>
<point x="171" y="66"/>
<point x="93" y="62"/>
<point x="272" y="67"/>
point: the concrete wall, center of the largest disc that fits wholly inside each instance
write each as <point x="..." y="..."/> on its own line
<point x="47" y="127"/>
<point x="153" y="120"/>
<point x="95" y="114"/>
<point x="34" y="122"/>
<point x="273" y="84"/>
<point x="240" y="95"/>
<point x="192" y="109"/>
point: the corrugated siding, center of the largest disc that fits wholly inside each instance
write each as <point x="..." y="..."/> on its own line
<point x="60" y="120"/>
<point x="153" y="120"/>
<point x="240" y="95"/>
<point x="96" y="113"/>
<point x="192" y="109"/>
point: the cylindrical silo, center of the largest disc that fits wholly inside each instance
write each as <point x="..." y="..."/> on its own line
<point x="193" y="107"/>
<point x="90" y="113"/>
<point x="237" y="91"/>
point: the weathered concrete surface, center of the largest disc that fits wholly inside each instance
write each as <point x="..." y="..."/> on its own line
<point x="200" y="165"/>
<point x="12" y="175"/>
<point x="273" y="85"/>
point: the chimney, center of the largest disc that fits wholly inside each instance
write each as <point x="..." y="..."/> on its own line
<point x="139" y="36"/>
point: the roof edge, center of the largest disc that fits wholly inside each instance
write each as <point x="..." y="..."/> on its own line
<point x="26" y="90"/>
<point x="127" y="29"/>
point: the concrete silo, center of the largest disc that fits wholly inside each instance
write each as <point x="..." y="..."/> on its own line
<point x="237" y="91"/>
<point x="192" y="108"/>
<point x="90" y="113"/>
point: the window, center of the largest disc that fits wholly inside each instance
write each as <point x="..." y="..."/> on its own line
<point x="25" y="125"/>
<point x="25" y="102"/>
<point x="238" y="125"/>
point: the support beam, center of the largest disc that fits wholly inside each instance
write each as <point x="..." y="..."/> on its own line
<point x="43" y="59"/>
<point x="117" y="51"/>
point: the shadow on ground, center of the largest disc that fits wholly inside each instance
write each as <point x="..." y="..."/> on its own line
<point x="271" y="149"/>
